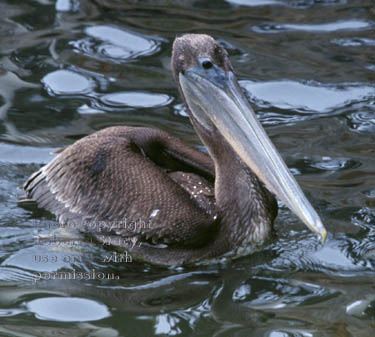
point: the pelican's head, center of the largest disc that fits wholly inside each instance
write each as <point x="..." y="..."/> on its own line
<point x="209" y="87"/>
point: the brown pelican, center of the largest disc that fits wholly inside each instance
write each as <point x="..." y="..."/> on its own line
<point x="167" y="203"/>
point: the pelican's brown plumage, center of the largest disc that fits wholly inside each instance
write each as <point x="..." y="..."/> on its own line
<point x="193" y="206"/>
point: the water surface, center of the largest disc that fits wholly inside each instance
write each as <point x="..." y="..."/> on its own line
<point x="72" y="67"/>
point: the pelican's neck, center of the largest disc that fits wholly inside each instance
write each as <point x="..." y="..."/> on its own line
<point x="244" y="205"/>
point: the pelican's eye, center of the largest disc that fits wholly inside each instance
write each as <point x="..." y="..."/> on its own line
<point x="207" y="64"/>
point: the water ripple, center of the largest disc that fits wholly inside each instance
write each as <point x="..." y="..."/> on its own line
<point x="362" y="121"/>
<point x="254" y="3"/>
<point x="363" y="308"/>
<point x="115" y="43"/>
<point x="67" y="309"/>
<point x="292" y="3"/>
<point x="313" y="3"/>
<point x="365" y="217"/>
<point x="17" y="154"/>
<point x="306" y="97"/>
<point x="288" y="101"/>
<point x="66" y="82"/>
<point x="136" y="99"/>
<point x="13" y="275"/>
<point x="313" y="28"/>
<point x="317" y="164"/>
<point x="354" y="42"/>
<point x="67" y="5"/>
<point x="342" y="255"/>
<point x="264" y="293"/>
<point x="180" y="110"/>
<point x="338" y="257"/>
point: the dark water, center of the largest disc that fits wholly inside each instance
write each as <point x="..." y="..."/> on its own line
<point x="69" y="68"/>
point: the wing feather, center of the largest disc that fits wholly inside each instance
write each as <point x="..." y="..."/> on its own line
<point x="108" y="177"/>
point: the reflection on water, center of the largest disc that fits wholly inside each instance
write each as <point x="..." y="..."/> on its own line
<point x="66" y="82"/>
<point x="114" y="43"/>
<point x="71" y="67"/>
<point x="254" y="3"/>
<point x="136" y="99"/>
<point x="324" y="27"/>
<point x="362" y="121"/>
<point x="308" y="98"/>
<point x="65" y="309"/>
